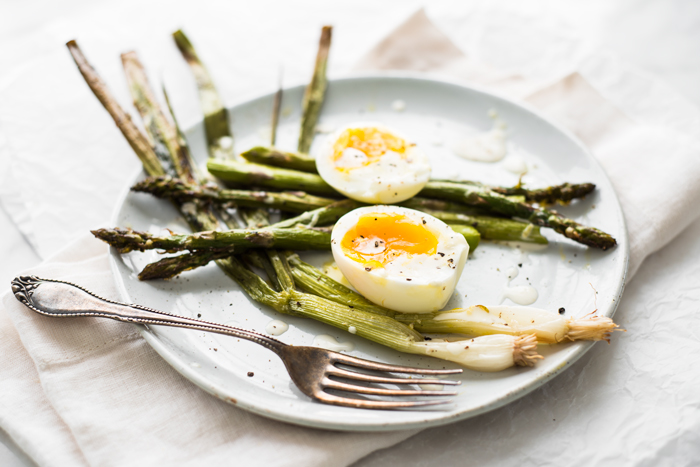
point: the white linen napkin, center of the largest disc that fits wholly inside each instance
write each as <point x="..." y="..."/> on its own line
<point x="88" y="391"/>
<point x="95" y="393"/>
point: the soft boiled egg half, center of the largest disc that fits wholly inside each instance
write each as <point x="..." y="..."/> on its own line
<point x="373" y="164"/>
<point x="399" y="258"/>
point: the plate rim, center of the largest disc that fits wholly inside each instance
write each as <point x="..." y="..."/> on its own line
<point x="580" y="348"/>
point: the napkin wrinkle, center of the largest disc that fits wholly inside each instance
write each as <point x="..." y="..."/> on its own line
<point x="569" y="102"/>
<point x="28" y="417"/>
<point x="15" y="206"/>
<point x="657" y="193"/>
<point x="512" y="50"/>
<point x="419" y="45"/>
<point x="415" y="50"/>
<point x="502" y="38"/>
<point x="48" y="363"/>
<point x="623" y="86"/>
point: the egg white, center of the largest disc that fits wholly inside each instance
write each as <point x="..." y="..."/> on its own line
<point x="410" y="283"/>
<point x="390" y="179"/>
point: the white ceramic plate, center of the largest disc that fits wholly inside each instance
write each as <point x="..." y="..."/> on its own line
<point x="437" y="113"/>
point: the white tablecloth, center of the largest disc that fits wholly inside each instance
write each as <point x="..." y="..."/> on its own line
<point x="663" y="293"/>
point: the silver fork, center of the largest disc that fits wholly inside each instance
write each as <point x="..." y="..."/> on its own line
<point x="311" y="368"/>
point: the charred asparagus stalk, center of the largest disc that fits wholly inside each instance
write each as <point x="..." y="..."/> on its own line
<point x="251" y="174"/>
<point x="168" y="268"/>
<point x="279" y="158"/>
<point x="471" y="195"/>
<point x="168" y="187"/>
<point x="276" y="109"/>
<point x="278" y="270"/>
<point x="162" y="133"/>
<point x="321" y="216"/>
<point x="216" y="118"/>
<point x="563" y="193"/>
<point x="491" y="228"/>
<point x="182" y="141"/>
<point x="255" y="218"/>
<point x="216" y="121"/>
<point x="198" y="217"/>
<point x="315" y="92"/>
<point x="135" y="138"/>
<point x="481" y="197"/>
<point x="126" y="240"/>
<point x="209" y="246"/>
<point x="172" y="266"/>
<point x="247" y="174"/>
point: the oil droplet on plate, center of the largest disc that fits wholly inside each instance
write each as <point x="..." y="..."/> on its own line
<point x="330" y="343"/>
<point x="276" y="327"/>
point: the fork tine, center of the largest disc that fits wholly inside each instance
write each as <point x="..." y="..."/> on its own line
<point x="372" y="404"/>
<point x="330" y="384"/>
<point x="366" y="364"/>
<point x="343" y="373"/>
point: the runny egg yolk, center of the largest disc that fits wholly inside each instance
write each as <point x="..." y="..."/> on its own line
<point x="373" y="142"/>
<point x="378" y="238"/>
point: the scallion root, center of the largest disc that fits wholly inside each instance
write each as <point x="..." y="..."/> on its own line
<point x="593" y="328"/>
<point x="525" y="350"/>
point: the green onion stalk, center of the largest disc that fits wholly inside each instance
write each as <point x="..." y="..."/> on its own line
<point x="484" y="353"/>
<point x="548" y="327"/>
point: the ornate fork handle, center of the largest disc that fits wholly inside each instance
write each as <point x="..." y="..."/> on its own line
<point x="60" y="299"/>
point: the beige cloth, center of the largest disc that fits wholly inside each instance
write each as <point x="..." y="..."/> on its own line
<point x="94" y="393"/>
